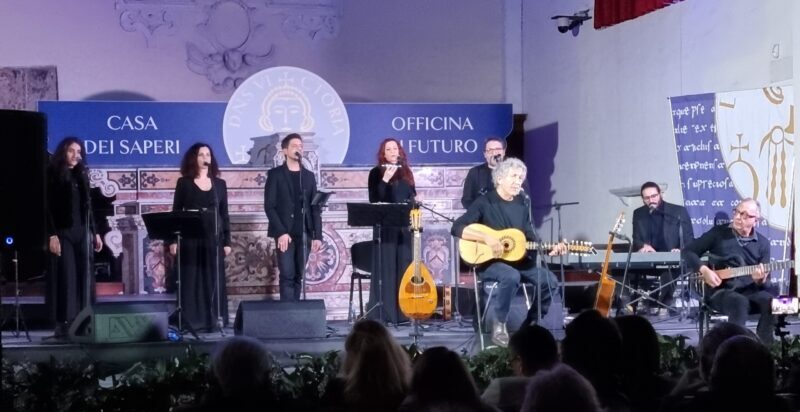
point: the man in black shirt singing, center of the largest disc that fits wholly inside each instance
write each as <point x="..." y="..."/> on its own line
<point x="736" y="245"/>
<point x="659" y="226"/>
<point x="503" y="208"/>
<point x="287" y="199"/>
<point x="479" y="178"/>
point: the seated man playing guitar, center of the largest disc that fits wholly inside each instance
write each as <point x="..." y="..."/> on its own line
<point x="739" y="245"/>
<point x="504" y="208"/>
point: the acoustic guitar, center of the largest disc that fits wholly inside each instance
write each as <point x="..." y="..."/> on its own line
<point x="606" y="285"/>
<point x="515" y="246"/>
<point x="731" y="273"/>
<point x="417" y="294"/>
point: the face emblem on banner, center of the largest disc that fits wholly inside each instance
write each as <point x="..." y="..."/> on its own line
<point x="281" y="100"/>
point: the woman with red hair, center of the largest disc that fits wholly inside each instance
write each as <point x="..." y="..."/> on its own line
<point x="391" y="181"/>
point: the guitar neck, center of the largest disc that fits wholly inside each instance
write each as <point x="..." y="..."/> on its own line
<point x="749" y="270"/>
<point x="417" y="253"/>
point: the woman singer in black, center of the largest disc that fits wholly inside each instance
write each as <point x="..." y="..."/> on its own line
<point x="71" y="232"/>
<point x="391" y="181"/>
<point x="200" y="188"/>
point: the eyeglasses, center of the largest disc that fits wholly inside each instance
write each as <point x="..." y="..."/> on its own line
<point x="495" y="149"/>
<point x="653" y="196"/>
<point x="743" y="214"/>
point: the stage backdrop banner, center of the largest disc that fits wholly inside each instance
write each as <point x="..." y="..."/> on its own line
<point x="732" y="146"/>
<point x="149" y="134"/>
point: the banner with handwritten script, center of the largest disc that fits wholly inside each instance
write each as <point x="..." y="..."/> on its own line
<point x="736" y="145"/>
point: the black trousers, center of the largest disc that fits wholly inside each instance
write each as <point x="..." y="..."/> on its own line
<point x="72" y="285"/>
<point x="738" y="303"/>
<point x="291" y="268"/>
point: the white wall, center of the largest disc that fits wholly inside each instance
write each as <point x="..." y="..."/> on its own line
<point x="605" y="91"/>
<point x="414" y="50"/>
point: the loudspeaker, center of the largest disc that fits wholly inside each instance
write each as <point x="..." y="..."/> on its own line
<point x="274" y="319"/>
<point x="22" y="210"/>
<point x="120" y="322"/>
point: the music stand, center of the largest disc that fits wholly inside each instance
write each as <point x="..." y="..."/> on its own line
<point x="378" y="216"/>
<point x="169" y="226"/>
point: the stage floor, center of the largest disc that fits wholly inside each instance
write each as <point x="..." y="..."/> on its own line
<point x="454" y="335"/>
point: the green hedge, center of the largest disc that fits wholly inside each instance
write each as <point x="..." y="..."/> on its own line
<point x="160" y="385"/>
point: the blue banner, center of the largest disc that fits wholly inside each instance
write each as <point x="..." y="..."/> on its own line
<point x="708" y="191"/>
<point x="429" y="133"/>
<point x="150" y="134"/>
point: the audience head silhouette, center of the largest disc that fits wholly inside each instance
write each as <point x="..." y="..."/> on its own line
<point x="376" y="369"/>
<point x="532" y="348"/>
<point x="560" y="389"/>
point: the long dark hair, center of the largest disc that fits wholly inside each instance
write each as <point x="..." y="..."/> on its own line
<point x="189" y="166"/>
<point x="58" y="162"/>
<point x="404" y="172"/>
<point x="440" y="377"/>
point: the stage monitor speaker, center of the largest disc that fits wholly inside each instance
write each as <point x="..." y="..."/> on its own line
<point x="120" y="323"/>
<point x="22" y="210"/>
<point x="274" y="319"/>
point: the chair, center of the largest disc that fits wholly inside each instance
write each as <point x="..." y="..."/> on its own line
<point x="361" y="258"/>
<point x="489" y="288"/>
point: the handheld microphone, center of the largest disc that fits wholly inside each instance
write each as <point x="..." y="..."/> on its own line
<point x="396" y="164"/>
<point x="298" y="154"/>
<point x="78" y="158"/>
<point x="620" y="236"/>
<point x="497" y="158"/>
<point x="206" y="163"/>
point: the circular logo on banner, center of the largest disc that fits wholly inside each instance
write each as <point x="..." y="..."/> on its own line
<point x="281" y="100"/>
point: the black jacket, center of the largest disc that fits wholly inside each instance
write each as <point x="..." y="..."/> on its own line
<point x="674" y="217"/>
<point x="280" y="205"/>
<point x="59" y="200"/>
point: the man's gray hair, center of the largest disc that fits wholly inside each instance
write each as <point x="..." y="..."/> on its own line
<point x="756" y="202"/>
<point x="504" y="168"/>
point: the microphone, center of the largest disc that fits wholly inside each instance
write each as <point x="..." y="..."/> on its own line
<point x="298" y="154"/>
<point x="620" y="236"/>
<point x="396" y="164"/>
<point x="206" y="164"/>
<point x="78" y="158"/>
<point x="497" y="158"/>
<point x="525" y="198"/>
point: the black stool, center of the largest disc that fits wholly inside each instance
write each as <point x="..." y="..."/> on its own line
<point x="361" y="258"/>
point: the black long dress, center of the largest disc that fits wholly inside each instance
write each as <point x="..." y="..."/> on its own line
<point x="396" y="244"/>
<point x="71" y="285"/>
<point x="199" y="292"/>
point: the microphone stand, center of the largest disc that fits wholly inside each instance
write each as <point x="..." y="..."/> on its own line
<point x="557" y="206"/>
<point x="539" y="263"/>
<point x="304" y="240"/>
<point x="88" y="256"/>
<point x="217" y="290"/>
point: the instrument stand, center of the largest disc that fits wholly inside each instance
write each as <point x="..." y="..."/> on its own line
<point x="685" y="311"/>
<point x="456" y="314"/>
<point x="19" y="318"/>
<point x="416" y="334"/>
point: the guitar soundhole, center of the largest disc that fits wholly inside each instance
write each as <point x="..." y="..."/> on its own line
<point x="508" y="244"/>
<point x="416" y="289"/>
